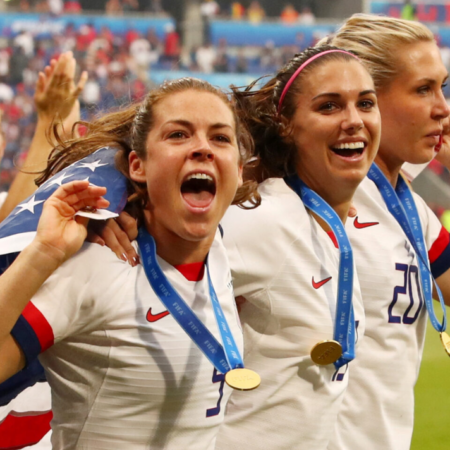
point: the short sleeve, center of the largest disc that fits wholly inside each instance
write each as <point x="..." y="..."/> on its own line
<point x="437" y="238"/>
<point x="64" y="305"/>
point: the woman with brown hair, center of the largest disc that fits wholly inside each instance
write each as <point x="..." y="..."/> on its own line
<point x="124" y="366"/>
<point x="316" y="128"/>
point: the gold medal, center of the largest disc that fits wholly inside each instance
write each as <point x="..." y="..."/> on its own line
<point x="326" y="352"/>
<point x="445" y="339"/>
<point x="242" y="379"/>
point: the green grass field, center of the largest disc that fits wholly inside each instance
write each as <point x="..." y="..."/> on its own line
<point x="432" y="415"/>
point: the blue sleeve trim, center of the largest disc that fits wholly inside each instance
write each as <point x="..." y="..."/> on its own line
<point x="442" y="264"/>
<point x="26" y="378"/>
<point x="25" y="336"/>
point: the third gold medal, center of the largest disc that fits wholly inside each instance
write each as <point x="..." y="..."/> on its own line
<point x="326" y="352"/>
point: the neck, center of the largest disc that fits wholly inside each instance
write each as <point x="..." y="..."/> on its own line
<point x="338" y="195"/>
<point x="176" y="250"/>
<point x="341" y="210"/>
<point x="390" y="169"/>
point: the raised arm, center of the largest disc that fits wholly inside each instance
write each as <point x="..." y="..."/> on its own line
<point x="59" y="235"/>
<point x="56" y="98"/>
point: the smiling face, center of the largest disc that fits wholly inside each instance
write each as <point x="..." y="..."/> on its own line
<point x="413" y="106"/>
<point x="335" y="128"/>
<point x="192" y="169"/>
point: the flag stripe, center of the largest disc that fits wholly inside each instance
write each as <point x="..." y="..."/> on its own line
<point x="19" y="431"/>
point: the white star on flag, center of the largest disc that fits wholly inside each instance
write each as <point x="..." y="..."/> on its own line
<point x="57" y="180"/>
<point x="93" y="165"/>
<point x="29" y="205"/>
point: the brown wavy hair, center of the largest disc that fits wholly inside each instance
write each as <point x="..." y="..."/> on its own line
<point x="127" y="130"/>
<point x="258" y="108"/>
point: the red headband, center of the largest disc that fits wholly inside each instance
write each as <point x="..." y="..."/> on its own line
<point x="296" y="73"/>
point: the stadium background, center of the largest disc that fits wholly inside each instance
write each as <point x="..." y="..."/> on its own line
<point x="128" y="46"/>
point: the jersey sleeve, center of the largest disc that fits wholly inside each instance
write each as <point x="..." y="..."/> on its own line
<point x="248" y="262"/>
<point x="437" y="239"/>
<point x="62" y="307"/>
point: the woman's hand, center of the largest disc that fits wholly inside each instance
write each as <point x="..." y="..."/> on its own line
<point x="56" y="95"/>
<point x="444" y="153"/>
<point x="60" y="233"/>
<point x="117" y="234"/>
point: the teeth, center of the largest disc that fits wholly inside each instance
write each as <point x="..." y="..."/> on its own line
<point x="350" y="145"/>
<point x="200" y="176"/>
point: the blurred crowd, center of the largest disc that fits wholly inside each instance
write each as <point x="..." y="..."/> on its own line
<point x="118" y="67"/>
<point x="251" y="10"/>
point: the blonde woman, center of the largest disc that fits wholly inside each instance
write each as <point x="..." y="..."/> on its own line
<point x="406" y="66"/>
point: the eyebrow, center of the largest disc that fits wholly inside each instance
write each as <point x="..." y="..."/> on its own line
<point x="188" y="124"/>
<point x="431" y="80"/>
<point x="337" y="95"/>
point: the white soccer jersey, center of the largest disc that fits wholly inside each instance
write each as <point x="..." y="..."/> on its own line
<point x="122" y="371"/>
<point x="286" y="266"/>
<point x="378" y="408"/>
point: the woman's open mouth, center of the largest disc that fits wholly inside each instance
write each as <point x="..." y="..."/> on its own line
<point x="198" y="190"/>
<point x="349" y="150"/>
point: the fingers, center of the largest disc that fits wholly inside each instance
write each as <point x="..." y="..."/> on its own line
<point x="128" y="224"/>
<point x="79" y="194"/>
<point x="81" y="84"/>
<point x="93" y="236"/>
<point x="352" y="212"/>
<point x="117" y="240"/>
<point x="95" y="202"/>
<point x="40" y="83"/>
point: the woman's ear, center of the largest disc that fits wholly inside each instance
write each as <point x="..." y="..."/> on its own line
<point x="285" y="130"/>
<point x="137" y="168"/>
<point x="240" y="178"/>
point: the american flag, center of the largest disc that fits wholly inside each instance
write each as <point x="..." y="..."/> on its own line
<point x="24" y="403"/>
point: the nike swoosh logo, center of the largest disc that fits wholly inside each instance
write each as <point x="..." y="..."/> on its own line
<point x="319" y="284"/>
<point x="154" y="317"/>
<point x="360" y="225"/>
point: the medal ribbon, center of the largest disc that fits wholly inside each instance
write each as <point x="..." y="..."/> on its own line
<point x="399" y="201"/>
<point x="344" y="328"/>
<point x="224" y="358"/>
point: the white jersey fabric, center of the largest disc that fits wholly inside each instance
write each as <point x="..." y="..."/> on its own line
<point x="277" y="252"/>
<point x="122" y="371"/>
<point x="378" y="408"/>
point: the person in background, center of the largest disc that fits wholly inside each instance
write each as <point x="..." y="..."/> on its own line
<point x="56" y="100"/>
<point x="255" y="12"/>
<point x="289" y="14"/>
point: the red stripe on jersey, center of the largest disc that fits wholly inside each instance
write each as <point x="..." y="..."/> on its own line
<point x="333" y="238"/>
<point x="21" y="430"/>
<point x="40" y="326"/>
<point x="439" y="245"/>
<point x="192" y="271"/>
